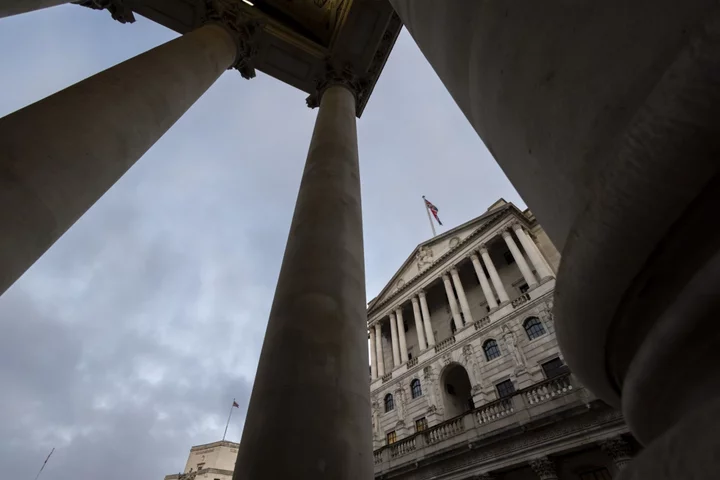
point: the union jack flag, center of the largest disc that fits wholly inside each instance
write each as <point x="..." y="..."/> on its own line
<point x="433" y="209"/>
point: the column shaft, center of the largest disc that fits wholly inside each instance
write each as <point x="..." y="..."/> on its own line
<point x="419" y="324"/>
<point x="429" y="334"/>
<point x="487" y="291"/>
<point x="519" y="259"/>
<point x="464" y="305"/>
<point x="395" y="341"/>
<point x="533" y="253"/>
<point x="401" y="334"/>
<point x="14" y="7"/>
<point x="379" y="350"/>
<point x="373" y="357"/>
<point x="58" y="156"/>
<point x="497" y="283"/>
<point x="453" y="303"/>
<point x="313" y="364"/>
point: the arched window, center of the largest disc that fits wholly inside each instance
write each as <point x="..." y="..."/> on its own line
<point x="491" y="349"/>
<point x="415" y="388"/>
<point x="389" y="404"/>
<point x="534" y="328"/>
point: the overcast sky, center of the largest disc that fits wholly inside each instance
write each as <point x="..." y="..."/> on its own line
<point x="125" y="344"/>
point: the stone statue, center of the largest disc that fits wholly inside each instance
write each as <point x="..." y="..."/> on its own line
<point x="424" y="257"/>
<point x="376" y="416"/>
<point x="429" y="387"/>
<point x="400" y="403"/>
<point x="512" y="346"/>
<point x="473" y="367"/>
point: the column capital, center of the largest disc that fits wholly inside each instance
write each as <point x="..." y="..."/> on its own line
<point x="453" y="270"/>
<point x="544" y="468"/>
<point x="334" y="75"/>
<point x="243" y="28"/>
<point x="117" y="8"/>
<point x="516" y="226"/>
<point x="398" y="310"/>
<point x="618" y="449"/>
<point x="482" y="248"/>
<point x="505" y="232"/>
<point x="421" y="293"/>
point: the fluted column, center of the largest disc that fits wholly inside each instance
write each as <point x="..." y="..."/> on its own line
<point x="419" y="324"/>
<point x="58" y="156"/>
<point x="14" y="7"/>
<point x="430" y="335"/>
<point x="395" y="340"/>
<point x="464" y="305"/>
<point x="533" y="252"/>
<point x="484" y="284"/>
<point x="379" y="350"/>
<point x="315" y="349"/>
<point x="401" y="335"/>
<point x="494" y="277"/>
<point x="373" y="357"/>
<point x="519" y="259"/>
<point x="451" y="300"/>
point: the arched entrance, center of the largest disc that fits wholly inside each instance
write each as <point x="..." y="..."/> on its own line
<point x="456" y="391"/>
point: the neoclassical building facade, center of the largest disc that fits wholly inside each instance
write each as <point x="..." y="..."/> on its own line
<point x="466" y="375"/>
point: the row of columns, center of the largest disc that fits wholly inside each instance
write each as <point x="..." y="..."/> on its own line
<point x="59" y="155"/>
<point x="459" y="307"/>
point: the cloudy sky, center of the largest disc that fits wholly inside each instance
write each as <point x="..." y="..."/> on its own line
<point x="125" y="344"/>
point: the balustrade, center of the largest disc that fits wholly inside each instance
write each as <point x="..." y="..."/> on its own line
<point x="524" y="298"/>
<point x="386" y="377"/>
<point x="484" y="321"/>
<point x="445" y="430"/>
<point x="377" y="454"/>
<point x="493" y="411"/>
<point x="548" y="389"/>
<point x="448" y="342"/>
<point x="402" y="447"/>
<point x="412" y="362"/>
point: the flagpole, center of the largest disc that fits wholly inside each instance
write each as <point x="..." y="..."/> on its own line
<point x="427" y="210"/>
<point x="44" y="463"/>
<point x="228" y="422"/>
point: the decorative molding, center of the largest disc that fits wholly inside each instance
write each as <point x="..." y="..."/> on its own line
<point x="117" y="8"/>
<point x="338" y="75"/>
<point x="244" y="29"/>
<point x="544" y="468"/>
<point x="380" y="57"/>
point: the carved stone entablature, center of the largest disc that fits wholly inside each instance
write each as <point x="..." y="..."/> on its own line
<point x="245" y="30"/>
<point x="117" y="8"/>
<point x="338" y="75"/>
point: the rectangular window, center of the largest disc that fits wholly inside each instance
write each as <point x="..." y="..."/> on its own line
<point x="554" y="367"/>
<point x="505" y="389"/>
<point x="524" y="288"/>
<point x="391" y="437"/>
<point x="596" y="474"/>
<point x="201" y="466"/>
<point x="420" y="424"/>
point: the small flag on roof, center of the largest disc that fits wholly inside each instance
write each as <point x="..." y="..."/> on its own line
<point x="433" y="209"/>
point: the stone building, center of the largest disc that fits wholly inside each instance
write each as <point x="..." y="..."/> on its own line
<point x="211" y="461"/>
<point x="467" y="376"/>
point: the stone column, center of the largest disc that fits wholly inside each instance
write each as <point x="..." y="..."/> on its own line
<point x="379" y="350"/>
<point x="617" y="449"/>
<point x="533" y="253"/>
<point x="14" y="7"/>
<point x="313" y="364"/>
<point x="419" y="324"/>
<point x="497" y="283"/>
<point x="489" y="295"/>
<point x="519" y="259"/>
<point x="395" y="340"/>
<point x="464" y="305"/>
<point x="426" y="319"/>
<point x="451" y="300"/>
<point x="544" y="468"/>
<point x="373" y="357"/>
<point x="401" y="335"/>
<point x="58" y="156"/>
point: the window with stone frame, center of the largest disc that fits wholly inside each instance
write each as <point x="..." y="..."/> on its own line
<point x="601" y="473"/>
<point x="415" y="388"/>
<point x="555" y="367"/>
<point x="533" y="328"/>
<point x="524" y="288"/>
<point x="505" y="388"/>
<point x="491" y="349"/>
<point x="391" y="437"/>
<point x="421" y="424"/>
<point x="389" y="402"/>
